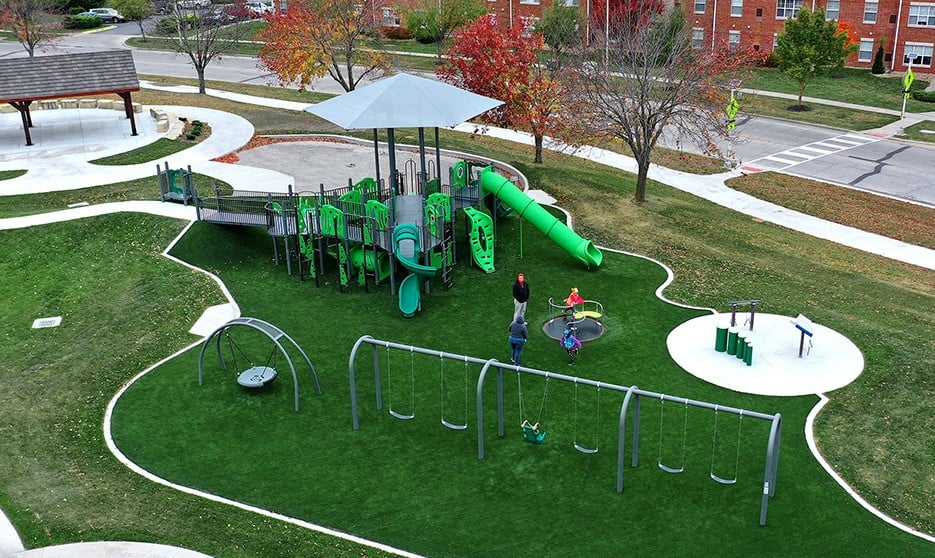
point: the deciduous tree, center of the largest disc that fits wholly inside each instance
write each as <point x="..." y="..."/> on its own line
<point x="436" y="20"/>
<point x="561" y="30"/>
<point x="201" y="39"/>
<point x="30" y="21"/>
<point x="314" y="38"/>
<point x="647" y="79"/>
<point x="809" y="45"/>
<point x="504" y="65"/>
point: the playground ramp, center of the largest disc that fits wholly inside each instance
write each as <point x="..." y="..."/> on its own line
<point x="556" y="231"/>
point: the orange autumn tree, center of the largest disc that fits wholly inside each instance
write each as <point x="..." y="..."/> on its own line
<point x="314" y="38"/>
<point x="504" y="65"/>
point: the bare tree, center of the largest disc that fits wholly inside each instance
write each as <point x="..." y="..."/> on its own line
<point x="136" y="10"/>
<point x="201" y="34"/>
<point x="30" y="21"/>
<point x="648" y="77"/>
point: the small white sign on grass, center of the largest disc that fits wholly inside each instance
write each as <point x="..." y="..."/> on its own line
<point x="47" y="322"/>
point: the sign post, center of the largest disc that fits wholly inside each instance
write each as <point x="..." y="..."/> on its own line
<point x="907" y="82"/>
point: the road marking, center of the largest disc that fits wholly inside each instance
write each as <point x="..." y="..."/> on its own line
<point x="803" y="153"/>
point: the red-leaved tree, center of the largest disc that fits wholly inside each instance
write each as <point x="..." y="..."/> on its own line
<point x="504" y="65"/>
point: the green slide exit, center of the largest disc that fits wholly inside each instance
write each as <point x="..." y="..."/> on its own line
<point x="528" y="209"/>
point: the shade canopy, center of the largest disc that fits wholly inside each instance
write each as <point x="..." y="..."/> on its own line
<point x="403" y="101"/>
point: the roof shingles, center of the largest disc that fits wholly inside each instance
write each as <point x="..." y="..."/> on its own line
<point x="67" y="75"/>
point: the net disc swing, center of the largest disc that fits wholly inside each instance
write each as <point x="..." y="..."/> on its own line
<point x="681" y="463"/>
<point x="389" y="387"/>
<point x="532" y="432"/>
<point x="451" y="425"/>
<point x="714" y="445"/>
<point x="597" y="427"/>
<point x="254" y="376"/>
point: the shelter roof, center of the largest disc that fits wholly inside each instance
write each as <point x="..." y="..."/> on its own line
<point x="67" y="75"/>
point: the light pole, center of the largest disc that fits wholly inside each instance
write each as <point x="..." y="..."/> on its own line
<point x="607" y="35"/>
<point x="907" y="81"/>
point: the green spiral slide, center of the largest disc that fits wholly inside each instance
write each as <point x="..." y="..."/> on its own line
<point x="528" y="209"/>
<point x="407" y="247"/>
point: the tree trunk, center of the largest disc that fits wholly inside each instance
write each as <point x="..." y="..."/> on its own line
<point x="538" y="157"/>
<point x="801" y="92"/>
<point x="642" y="172"/>
<point x="201" y="78"/>
<point x="142" y="31"/>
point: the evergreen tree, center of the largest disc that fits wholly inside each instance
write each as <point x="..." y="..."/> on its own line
<point x="878" y="67"/>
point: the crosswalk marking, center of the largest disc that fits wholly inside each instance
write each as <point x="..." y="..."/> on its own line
<point x="804" y="153"/>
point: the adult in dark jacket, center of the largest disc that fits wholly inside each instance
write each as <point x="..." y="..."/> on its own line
<point x="518" y="336"/>
<point x="520" y="296"/>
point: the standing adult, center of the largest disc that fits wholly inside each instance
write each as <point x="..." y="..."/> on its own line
<point x="518" y="336"/>
<point x="520" y="296"/>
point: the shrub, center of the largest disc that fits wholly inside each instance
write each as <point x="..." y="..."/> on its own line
<point x="878" y="67"/>
<point x="397" y="33"/>
<point x="75" y="10"/>
<point x="82" y="22"/>
<point x="190" y="137"/>
<point x="924" y="96"/>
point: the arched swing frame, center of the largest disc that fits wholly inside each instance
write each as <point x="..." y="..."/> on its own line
<point x="274" y="334"/>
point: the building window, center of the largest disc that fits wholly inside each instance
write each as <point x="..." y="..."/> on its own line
<point x="759" y="12"/>
<point x="736" y="8"/>
<point x="733" y="40"/>
<point x="697" y="37"/>
<point x="571" y="3"/>
<point x="699" y="6"/>
<point x="865" y="54"/>
<point x="832" y="10"/>
<point x="787" y="8"/>
<point x="390" y="18"/>
<point x="870" y="12"/>
<point x="529" y="25"/>
<point x="536" y="2"/>
<point x="922" y="53"/>
<point x="922" y="15"/>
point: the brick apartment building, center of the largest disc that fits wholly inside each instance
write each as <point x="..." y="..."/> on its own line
<point x="906" y="28"/>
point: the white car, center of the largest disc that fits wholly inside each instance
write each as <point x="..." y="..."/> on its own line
<point x="108" y="15"/>
<point x="193" y="4"/>
<point x="259" y="9"/>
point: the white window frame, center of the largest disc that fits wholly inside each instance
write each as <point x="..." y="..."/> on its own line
<point x="736" y="8"/>
<point x="868" y="52"/>
<point x="923" y="49"/>
<point x="733" y="40"/>
<point x="697" y="37"/>
<point x="871" y="11"/>
<point x="786" y="9"/>
<point x="921" y="15"/>
<point x="700" y="6"/>
<point x="390" y="17"/>
<point x="775" y="41"/>
<point x="533" y="2"/>
<point x="571" y="3"/>
<point x="836" y="11"/>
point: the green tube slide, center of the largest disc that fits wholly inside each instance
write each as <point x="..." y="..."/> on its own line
<point x="407" y="248"/>
<point x="528" y="209"/>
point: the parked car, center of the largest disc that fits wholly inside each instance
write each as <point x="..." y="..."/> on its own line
<point x="259" y="9"/>
<point x="193" y="4"/>
<point x="215" y="17"/>
<point x="107" y="15"/>
<point x="238" y="11"/>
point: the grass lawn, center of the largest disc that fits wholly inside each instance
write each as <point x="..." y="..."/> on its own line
<point x="160" y="148"/>
<point x="923" y="131"/>
<point x="51" y="414"/>
<point x="827" y="115"/>
<point x="8" y="174"/>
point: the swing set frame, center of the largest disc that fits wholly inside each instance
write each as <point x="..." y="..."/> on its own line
<point x="632" y="403"/>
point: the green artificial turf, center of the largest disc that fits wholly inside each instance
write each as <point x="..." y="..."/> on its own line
<point x="419" y="486"/>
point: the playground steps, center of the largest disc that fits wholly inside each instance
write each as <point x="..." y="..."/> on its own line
<point x="481" y="238"/>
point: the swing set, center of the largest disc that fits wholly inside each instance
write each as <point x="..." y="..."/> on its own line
<point x="534" y="433"/>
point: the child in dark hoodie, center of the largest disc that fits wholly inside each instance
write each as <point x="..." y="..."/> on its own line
<point x="518" y="336"/>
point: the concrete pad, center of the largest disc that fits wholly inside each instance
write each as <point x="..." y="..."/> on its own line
<point x="833" y="362"/>
<point x="9" y="538"/>
<point x="110" y="550"/>
<point x="213" y="318"/>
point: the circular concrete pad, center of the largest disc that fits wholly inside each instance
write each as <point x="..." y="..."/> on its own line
<point x="831" y="362"/>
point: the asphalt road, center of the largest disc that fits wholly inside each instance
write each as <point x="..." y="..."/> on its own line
<point x="854" y="159"/>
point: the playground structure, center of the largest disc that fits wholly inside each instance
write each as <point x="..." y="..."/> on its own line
<point x="175" y="184"/>
<point x="368" y="228"/>
<point x="632" y="402"/>
<point x="256" y="376"/>
<point x="585" y="319"/>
